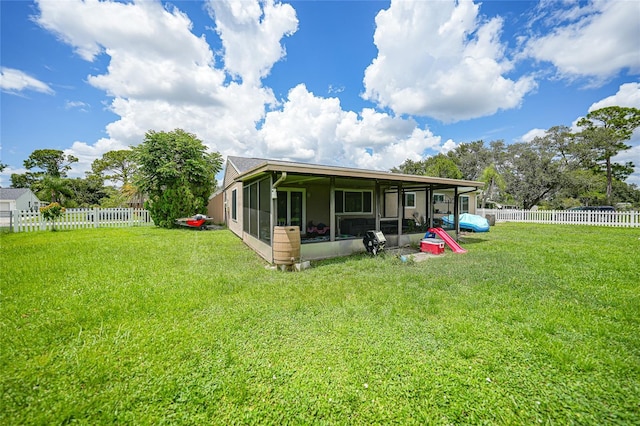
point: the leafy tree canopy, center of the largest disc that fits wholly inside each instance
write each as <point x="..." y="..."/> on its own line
<point x="559" y="169"/>
<point x="117" y="166"/>
<point x="437" y="166"/>
<point x="603" y="135"/>
<point x="177" y="174"/>
<point x="471" y="158"/>
<point x="21" y="180"/>
<point x="54" y="189"/>
<point x="493" y="183"/>
<point x="52" y="162"/>
<point x="533" y="174"/>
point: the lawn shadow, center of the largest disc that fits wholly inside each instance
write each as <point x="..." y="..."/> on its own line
<point x="342" y="259"/>
<point x="471" y="240"/>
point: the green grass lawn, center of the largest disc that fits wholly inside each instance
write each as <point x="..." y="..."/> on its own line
<point x="535" y="324"/>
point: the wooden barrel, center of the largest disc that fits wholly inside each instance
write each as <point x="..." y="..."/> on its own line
<point x="286" y="245"/>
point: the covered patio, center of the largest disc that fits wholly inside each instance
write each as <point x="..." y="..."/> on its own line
<point x="335" y="206"/>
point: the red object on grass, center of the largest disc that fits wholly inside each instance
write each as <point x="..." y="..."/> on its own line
<point x="453" y="245"/>
<point x="196" y="223"/>
<point x="432" y="245"/>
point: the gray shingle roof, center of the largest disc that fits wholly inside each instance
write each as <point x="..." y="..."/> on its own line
<point x="243" y="164"/>
<point x="12" y="193"/>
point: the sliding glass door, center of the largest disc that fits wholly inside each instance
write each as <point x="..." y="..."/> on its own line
<point x="291" y="207"/>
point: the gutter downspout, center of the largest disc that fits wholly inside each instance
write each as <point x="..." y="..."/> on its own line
<point x="274" y="208"/>
<point x="274" y="201"/>
<point x="279" y="181"/>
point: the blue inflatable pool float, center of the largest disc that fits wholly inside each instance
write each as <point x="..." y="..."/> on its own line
<point x="468" y="222"/>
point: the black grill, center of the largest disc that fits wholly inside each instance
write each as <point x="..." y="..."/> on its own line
<point x="374" y="242"/>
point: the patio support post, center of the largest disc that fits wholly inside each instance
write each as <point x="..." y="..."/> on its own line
<point x="400" y="209"/>
<point x="332" y="209"/>
<point x="377" y="205"/>
<point x="429" y="208"/>
<point x="274" y="209"/>
<point x="456" y="208"/>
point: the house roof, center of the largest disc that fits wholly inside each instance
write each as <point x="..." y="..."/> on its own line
<point x="243" y="164"/>
<point x="13" y="193"/>
<point x="253" y="167"/>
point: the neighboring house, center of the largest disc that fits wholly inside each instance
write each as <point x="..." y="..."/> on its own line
<point x="18" y="199"/>
<point x="333" y="206"/>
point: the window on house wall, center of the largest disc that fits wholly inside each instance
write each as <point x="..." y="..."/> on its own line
<point x="354" y="201"/>
<point x="410" y="200"/>
<point x="464" y="204"/>
<point x="257" y="209"/>
<point x="438" y="198"/>
<point x="253" y="209"/>
<point x="245" y="209"/>
<point x="234" y="204"/>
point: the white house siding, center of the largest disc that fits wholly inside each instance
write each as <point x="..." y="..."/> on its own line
<point x="18" y="199"/>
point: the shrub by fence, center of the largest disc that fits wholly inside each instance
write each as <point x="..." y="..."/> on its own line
<point x="628" y="219"/>
<point x="26" y="221"/>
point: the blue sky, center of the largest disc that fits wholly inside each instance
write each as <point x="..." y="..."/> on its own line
<point x="355" y="83"/>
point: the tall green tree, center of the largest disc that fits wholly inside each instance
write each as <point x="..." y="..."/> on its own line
<point x="51" y="162"/>
<point x="493" y="184"/>
<point x="438" y="166"/>
<point x="177" y="174"/>
<point x="410" y="167"/>
<point x="88" y="191"/>
<point x="603" y="135"/>
<point x="532" y="172"/>
<point x="560" y="140"/>
<point x="118" y="166"/>
<point x="471" y="158"/>
<point x="21" y="180"/>
<point x="41" y="163"/>
<point x="442" y="166"/>
<point x="54" y="189"/>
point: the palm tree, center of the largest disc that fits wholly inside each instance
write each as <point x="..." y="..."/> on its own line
<point x="55" y="189"/>
<point x="493" y="182"/>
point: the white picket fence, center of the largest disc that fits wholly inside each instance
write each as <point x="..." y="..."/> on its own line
<point x="627" y="219"/>
<point x="27" y="221"/>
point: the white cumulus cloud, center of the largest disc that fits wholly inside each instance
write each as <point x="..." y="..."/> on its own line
<point x="628" y="95"/>
<point x="315" y="129"/>
<point x="596" y="40"/>
<point x="438" y="59"/>
<point x="251" y="32"/>
<point x="161" y="76"/>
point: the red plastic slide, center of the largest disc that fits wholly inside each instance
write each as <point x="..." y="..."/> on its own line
<point x="455" y="247"/>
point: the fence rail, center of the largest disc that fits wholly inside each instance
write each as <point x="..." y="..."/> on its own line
<point x="627" y="219"/>
<point x="28" y="221"/>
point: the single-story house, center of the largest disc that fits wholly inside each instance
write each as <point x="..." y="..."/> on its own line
<point x="333" y="206"/>
<point x="18" y="199"/>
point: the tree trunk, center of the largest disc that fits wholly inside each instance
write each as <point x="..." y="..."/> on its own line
<point x="609" y="186"/>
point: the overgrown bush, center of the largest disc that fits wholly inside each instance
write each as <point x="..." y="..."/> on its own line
<point x="177" y="174"/>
